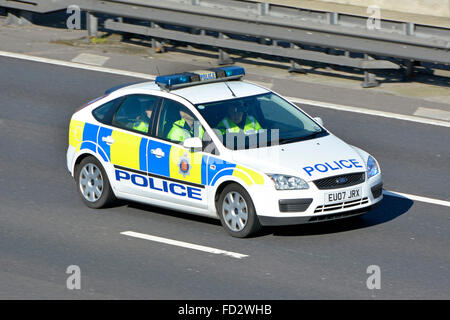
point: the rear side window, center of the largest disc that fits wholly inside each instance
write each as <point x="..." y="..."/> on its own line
<point x="105" y="112"/>
<point x="135" y="113"/>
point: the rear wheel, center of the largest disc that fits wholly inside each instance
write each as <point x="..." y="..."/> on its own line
<point x="93" y="184"/>
<point x="236" y="212"/>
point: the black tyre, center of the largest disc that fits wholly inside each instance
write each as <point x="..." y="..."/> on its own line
<point x="92" y="184"/>
<point x="237" y="212"/>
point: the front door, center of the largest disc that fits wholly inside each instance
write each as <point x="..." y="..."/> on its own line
<point x="177" y="174"/>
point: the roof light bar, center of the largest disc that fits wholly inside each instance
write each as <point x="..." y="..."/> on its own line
<point x="186" y="79"/>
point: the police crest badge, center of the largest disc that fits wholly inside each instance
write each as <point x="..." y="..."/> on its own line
<point x="184" y="165"/>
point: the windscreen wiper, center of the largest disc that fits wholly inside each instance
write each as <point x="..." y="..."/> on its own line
<point x="296" y="139"/>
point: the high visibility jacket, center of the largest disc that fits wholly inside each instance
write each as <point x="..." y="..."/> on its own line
<point x="181" y="131"/>
<point x="251" y="125"/>
<point x="142" y="126"/>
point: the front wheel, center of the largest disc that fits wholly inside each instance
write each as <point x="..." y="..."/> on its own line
<point x="236" y="212"/>
<point x="93" y="184"/>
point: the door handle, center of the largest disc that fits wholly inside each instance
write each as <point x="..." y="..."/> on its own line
<point x="158" y="153"/>
<point x="108" y="140"/>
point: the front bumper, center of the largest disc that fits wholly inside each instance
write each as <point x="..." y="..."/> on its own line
<point x="284" y="221"/>
<point x="308" y="206"/>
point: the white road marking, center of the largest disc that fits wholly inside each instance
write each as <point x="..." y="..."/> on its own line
<point x="77" y="65"/>
<point x="417" y="198"/>
<point x="91" y="59"/>
<point x="433" y="113"/>
<point x="184" y="244"/>
<point x="268" y="85"/>
<point x="369" y="112"/>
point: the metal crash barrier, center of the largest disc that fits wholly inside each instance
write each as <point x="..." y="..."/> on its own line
<point x="266" y="29"/>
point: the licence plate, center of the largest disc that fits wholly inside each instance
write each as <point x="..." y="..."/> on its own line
<point x="343" y="196"/>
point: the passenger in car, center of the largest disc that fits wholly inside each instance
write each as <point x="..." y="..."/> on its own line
<point x="143" y="121"/>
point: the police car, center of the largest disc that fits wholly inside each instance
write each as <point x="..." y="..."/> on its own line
<point x="209" y="143"/>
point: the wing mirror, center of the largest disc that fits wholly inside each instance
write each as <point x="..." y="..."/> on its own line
<point x="319" y="120"/>
<point x="193" y="143"/>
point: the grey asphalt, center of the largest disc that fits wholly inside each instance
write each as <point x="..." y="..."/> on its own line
<point x="45" y="227"/>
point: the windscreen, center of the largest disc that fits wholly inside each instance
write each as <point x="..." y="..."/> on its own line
<point x="258" y="121"/>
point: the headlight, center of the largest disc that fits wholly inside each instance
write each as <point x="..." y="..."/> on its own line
<point x="283" y="182"/>
<point x="372" y="167"/>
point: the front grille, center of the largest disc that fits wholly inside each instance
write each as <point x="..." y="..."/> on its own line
<point x="341" y="205"/>
<point x="333" y="182"/>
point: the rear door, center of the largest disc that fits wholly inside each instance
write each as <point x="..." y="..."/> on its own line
<point x="125" y="142"/>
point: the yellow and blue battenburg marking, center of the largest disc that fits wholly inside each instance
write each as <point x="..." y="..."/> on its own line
<point x="224" y="168"/>
<point x="83" y="135"/>
<point x="133" y="152"/>
<point x="76" y="134"/>
<point x="195" y="161"/>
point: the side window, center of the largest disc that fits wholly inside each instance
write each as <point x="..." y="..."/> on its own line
<point x="105" y="112"/>
<point x="135" y="113"/>
<point x="177" y="123"/>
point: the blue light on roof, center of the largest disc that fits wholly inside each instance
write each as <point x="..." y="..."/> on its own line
<point x="197" y="77"/>
<point x="233" y="71"/>
<point x="173" y="79"/>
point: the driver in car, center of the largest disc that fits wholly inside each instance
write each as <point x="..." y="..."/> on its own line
<point x="237" y="120"/>
<point x="186" y="127"/>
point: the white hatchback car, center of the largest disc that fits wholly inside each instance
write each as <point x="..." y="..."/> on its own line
<point x="208" y="143"/>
